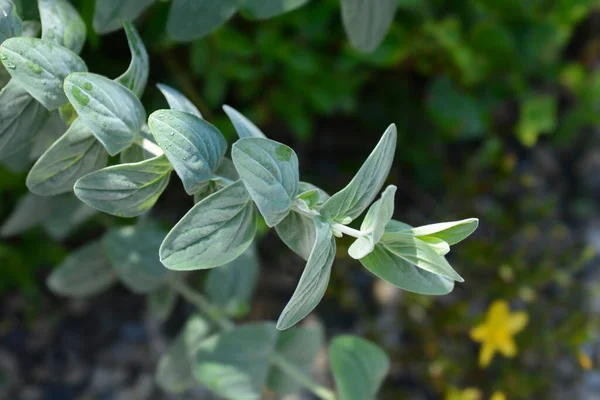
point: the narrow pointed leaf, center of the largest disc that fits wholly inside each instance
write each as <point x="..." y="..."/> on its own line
<point x="234" y="364"/>
<point x="10" y="23"/>
<point x="21" y="118"/>
<point x="125" y="190"/>
<point x="298" y="232"/>
<point x="450" y="232"/>
<point x="358" y="367"/>
<point x="74" y="155"/>
<point x="109" y="14"/>
<point x="300" y="347"/>
<point x="85" y="272"/>
<point x="40" y="67"/>
<point x="399" y="272"/>
<point x="270" y="172"/>
<point x="420" y="254"/>
<point x="194" y="147"/>
<point x="174" y="370"/>
<point x="351" y="201"/>
<point x="214" y="232"/>
<point x="367" y="21"/>
<point x="192" y="19"/>
<point x="243" y="126"/>
<point x="231" y="286"/>
<point x="62" y="24"/>
<point x="112" y="112"/>
<point x="177" y="101"/>
<point x="136" y="76"/>
<point x="314" y="280"/>
<point x="133" y="252"/>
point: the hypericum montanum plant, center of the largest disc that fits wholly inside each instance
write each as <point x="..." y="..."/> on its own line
<point x="71" y="121"/>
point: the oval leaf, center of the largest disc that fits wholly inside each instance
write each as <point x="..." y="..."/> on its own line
<point x="177" y="101"/>
<point x="194" y="147"/>
<point x="298" y="232"/>
<point x="192" y="19"/>
<point x="40" y="67"/>
<point x="62" y="24"/>
<point x="109" y="13"/>
<point x="351" y="201"/>
<point x="85" y="272"/>
<point x="243" y="126"/>
<point x="74" y="155"/>
<point x="367" y="21"/>
<point x="112" y="112"/>
<point x="314" y="280"/>
<point x="393" y="269"/>
<point x="21" y="118"/>
<point x="214" y="232"/>
<point x="136" y="76"/>
<point x="270" y="172"/>
<point x="30" y="211"/>
<point x="125" y="190"/>
<point x="358" y="367"/>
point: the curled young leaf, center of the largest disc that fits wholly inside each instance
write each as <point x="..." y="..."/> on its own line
<point x="358" y="367"/>
<point x="450" y="232"/>
<point x="192" y="19"/>
<point x="214" y="232"/>
<point x="194" y="147"/>
<point x="62" y="24"/>
<point x="314" y="280"/>
<point x="177" y="101"/>
<point x="74" y="155"/>
<point x="112" y="112"/>
<point x="367" y="21"/>
<point x="40" y="67"/>
<point x="351" y="201"/>
<point x="243" y="126"/>
<point x="270" y="172"/>
<point x="136" y="76"/>
<point x="21" y="118"/>
<point x="125" y="190"/>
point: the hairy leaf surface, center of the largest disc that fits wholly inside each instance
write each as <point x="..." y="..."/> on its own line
<point x="177" y="101"/>
<point x="243" y="126"/>
<point x="62" y="24"/>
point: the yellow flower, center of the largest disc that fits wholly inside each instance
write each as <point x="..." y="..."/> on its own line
<point x="497" y="331"/>
<point x="498" y="396"/>
<point x="585" y="361"/>
<point x="467" y="394"/>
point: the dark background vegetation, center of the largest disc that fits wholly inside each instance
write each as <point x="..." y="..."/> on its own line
<point x="497" y="105"/>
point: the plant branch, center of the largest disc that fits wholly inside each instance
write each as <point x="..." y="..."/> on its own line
<point x="150" y="147"/>
<point x="348" y="231"/>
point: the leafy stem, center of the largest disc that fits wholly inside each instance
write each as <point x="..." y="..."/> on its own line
<point x="206" y="308"/>
<point x="150" y="147"/>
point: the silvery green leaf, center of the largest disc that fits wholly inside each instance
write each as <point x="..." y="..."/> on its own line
<point x="397" y="226"/>
<point x="51" y="131"/>
<point x="243" y="126"/>
<point x="314" y="280"/>
<point x="351" y="201"/>
<point x="125" y="190"/>
<point x="214" y="232"/>
<point x="133" y="253"/>
<point x="134" y="154"/>
<point x="206" y="190"/>
<point x="21" y="118"/>
<point x="438" y="245"/>
<point x="234" y="364"/>
<point x="265" y="9"/>
<point x="270" y="172"/>
<point x="393" y="269"/>
<point x="4" y="76"/>
<point x="358" y="367"/>
<point x="174" y="370"/>
<point x="231" y="286"/>
<point x="419" y="253"/>
<point x="227" y="170"/>
<point x="161" y="302"/>
<point x="67" y="214"/>
<point x="61" y="24"/>
<point x="374" y="224"/>
<point x="192" y="19"/>
<point x="367" y="21"/>
<point x="136" y="76"/>
<point x="299" y="346"/>
<point x="112" y="112"/>
<point x="450" y="232"/>
<point x="31" y="29"/>
<point x="19" y="161"/>
<point x="40" y="68"/>
<point x="10" y="22"/>
<point x="67" y="113"/>
<point x="85" y="272"/>
<point x="305" y="187"/>
<point x="297" y="231"/>
<point x="74" y="155"/>
<point x="177" y="101"/>
<point x="194" y="147"/>
<point x="30" y="211"/>
<point x="109" y="14"/>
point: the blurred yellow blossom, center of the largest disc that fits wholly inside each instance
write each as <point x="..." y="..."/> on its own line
<point x="466" y="394"/>
<point x="585" y="361"/>
<point x="497" y="331"/>
<point x="498" y="396"/>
